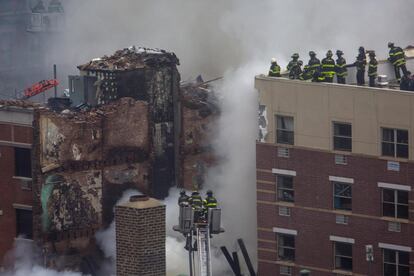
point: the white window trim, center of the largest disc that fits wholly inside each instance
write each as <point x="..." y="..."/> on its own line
<point x="284" y="172"/>
<point x="394" y="247"/>
<point x="394" y="186"/>
<point x="341" y="179"/>
<point x="285" y="231"/>
<point x="22" y="206"/>
<point x="341" y="239"/>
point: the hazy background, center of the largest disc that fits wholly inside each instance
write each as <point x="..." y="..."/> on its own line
<point x="234" y="39"/>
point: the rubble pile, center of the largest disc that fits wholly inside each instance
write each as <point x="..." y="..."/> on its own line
<point x="132" y="58"/>
<point x="18" y="103"/>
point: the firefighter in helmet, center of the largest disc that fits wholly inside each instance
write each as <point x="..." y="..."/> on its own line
<point x="196" y="202"/>
<point x="183" y="200"/>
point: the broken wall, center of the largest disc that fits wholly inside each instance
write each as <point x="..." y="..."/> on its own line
<point x="200" y="112"/>
<point x="83" y="161"/>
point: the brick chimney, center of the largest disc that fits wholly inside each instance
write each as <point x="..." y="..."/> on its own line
<point x="140" y="237"/>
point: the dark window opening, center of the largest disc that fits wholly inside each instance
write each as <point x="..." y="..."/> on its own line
<point x="285" y="191"/>
<point x="342" y="139"/>
<point x="395" y="203"/>
<point x="284" y="130"/>
<point x="24" y="223"/>
<point x="396" y="263"/>
<point x="22" y="162"/>
<point x="286" y="247"/>
<point x="343" y="256"/>
<point x="342" y="196"/>
<point x="394" y="142"/>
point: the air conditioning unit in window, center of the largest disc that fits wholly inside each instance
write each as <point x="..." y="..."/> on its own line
<point x="394" y="226"/>
<point x="285" y="270"/>
<point x="284" y="211"/>
<point x="283" y="152"/>
<point x="340" y="159"/>
<point x="341" y="219"/>
<point x="26" y="184"/>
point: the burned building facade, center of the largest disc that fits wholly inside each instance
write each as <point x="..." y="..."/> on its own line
<point x="129" y="125"/>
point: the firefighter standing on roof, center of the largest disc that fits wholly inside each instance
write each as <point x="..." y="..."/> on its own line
<point x="314" y="63"/>
<point x="294" y="67"/>
<point x="397" y="58"/>
<point x="372" y="69"/>
<point x="196" y="203"/>
<point x="274" y="70"/>
<point x="328" y="67"/>
<point x="360" y="63"/>
<point x="340" y="67"/>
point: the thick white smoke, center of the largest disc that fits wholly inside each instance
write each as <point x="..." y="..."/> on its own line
<point x="26" y="260"/>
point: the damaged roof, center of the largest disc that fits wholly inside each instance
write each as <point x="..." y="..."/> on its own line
<point x="130" y="59"/>
<point x="19" y="103"/>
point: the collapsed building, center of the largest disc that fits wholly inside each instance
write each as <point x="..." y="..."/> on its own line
<point x="127" y="125"/>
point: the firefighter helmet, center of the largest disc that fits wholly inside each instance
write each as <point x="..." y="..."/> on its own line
<point x="390" y="44"/>
<point x="372" y="53"/>
<point x="182" y="192"/>
<point x="273" y="60"/>
<point x="295" y="55"/>
<point x="339" y="53"/>
<point x="312" y="53"/>
<point x="361" y="49"/>
<point x="329" y="53"/>
<point x="209" y="192"/>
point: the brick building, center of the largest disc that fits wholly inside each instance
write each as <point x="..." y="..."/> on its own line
<point x="140" y="237"/>
<point x="15" y="173"/>
<point x="335" y="175"/>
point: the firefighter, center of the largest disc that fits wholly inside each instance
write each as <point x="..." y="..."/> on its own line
<point x="274" y="70"/>
<point x="294" y="67"/>
<point x="406" y="82"/>
<point x="328" y="67"/>
<point x="210" y="201"/>
<point x="360" y="63"/>
<point x="340" y="67"/>
<point x="314" y="63"/>
<point x="397" y="58"/>
<point x="196" y="202"/>
<point x="372" y="69"/>
<point x="318" y="76"/>
<point x="306" y="74"/>
<point x="183" y="199"/>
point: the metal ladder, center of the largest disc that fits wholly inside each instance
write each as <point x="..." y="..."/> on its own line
<point x="204" y="256"/>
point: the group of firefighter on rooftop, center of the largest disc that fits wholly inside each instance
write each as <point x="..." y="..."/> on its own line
<point x="325" y="70"/>
<point x="197" y="203"/>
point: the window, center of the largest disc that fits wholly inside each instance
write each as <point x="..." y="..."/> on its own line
<point x="395" y="203"/>
<point x="343" y="256"/>
<point x="285" y="190"/>
<point x="24" y="223"/>
<point x="342" y="196"/>
<point x="395" y="142"/>
<point x="342" y="138"/>
<point x="396" y="263"/>
<point x="22" y="162"/>
<point x="286" y="247"/>
<point x="284" y="130"/>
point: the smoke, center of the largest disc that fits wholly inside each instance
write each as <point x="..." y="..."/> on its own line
<point x="26" y="260"/>
<point x="213" y="37"/>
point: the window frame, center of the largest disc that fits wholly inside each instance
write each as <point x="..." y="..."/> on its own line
<point x="334" y="123"/>
<point x="280" y="247"/>
<point x="395" y="203"/>
<point x="19" y="172"/>
<point x="395" y="142"/>
<point x="342" y="256"/>
<point x="397" y="263"/>
<point x="334" y="196"/>
<point x="279" y="195"/>
<point x="20" y="224"/>
<point x="288" y="132"/>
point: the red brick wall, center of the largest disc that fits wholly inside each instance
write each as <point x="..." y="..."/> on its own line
<point x="313" y="215"/>
<point x="10" y="188"/>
